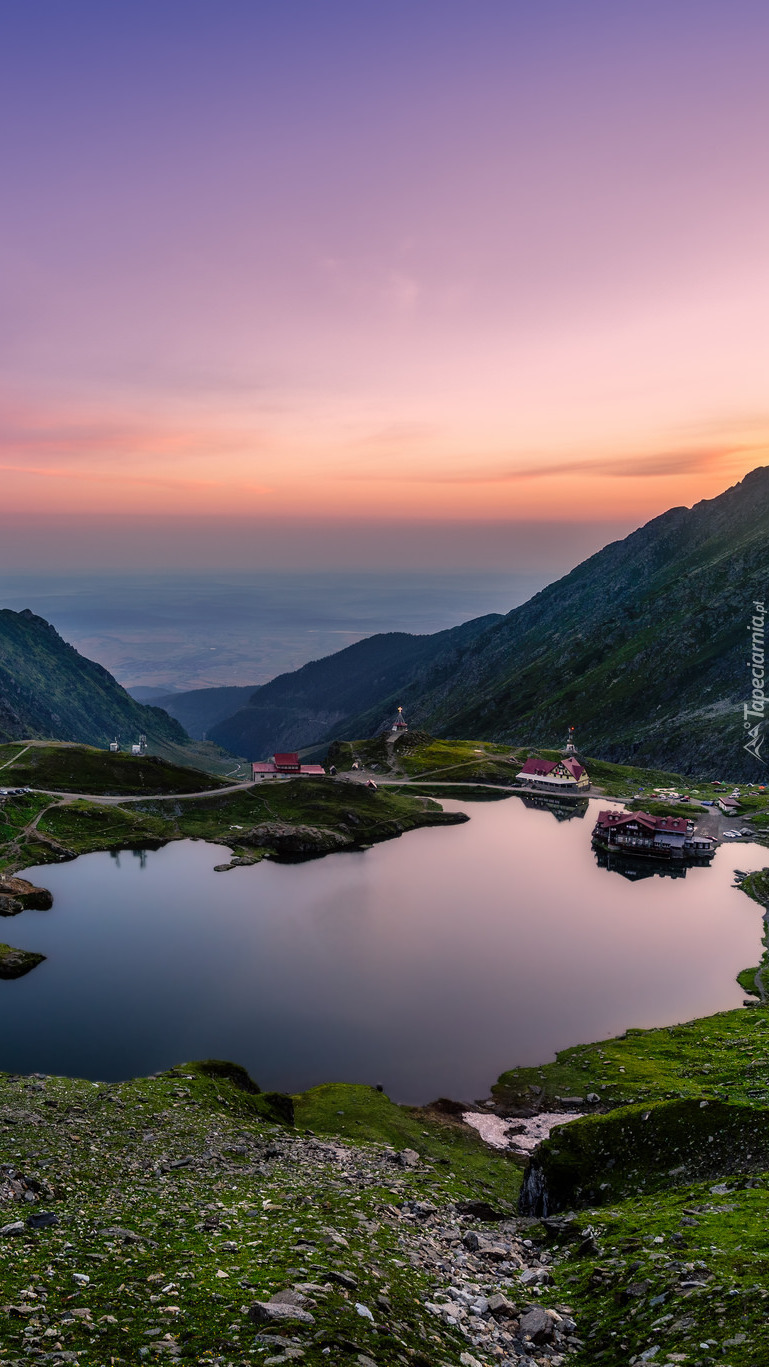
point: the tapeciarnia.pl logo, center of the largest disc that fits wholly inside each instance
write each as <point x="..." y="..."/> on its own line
<point x="757" y="705"/>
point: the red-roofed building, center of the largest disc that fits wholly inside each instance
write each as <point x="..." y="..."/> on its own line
<point x="285" y="765"/>
<point x="642" y="833"/>
<point x="557" y="774"/>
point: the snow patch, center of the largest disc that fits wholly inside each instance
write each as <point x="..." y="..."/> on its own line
<point x="522" y="1136"/>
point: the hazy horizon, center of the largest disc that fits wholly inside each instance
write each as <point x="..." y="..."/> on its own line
<point x="176" y="631"/>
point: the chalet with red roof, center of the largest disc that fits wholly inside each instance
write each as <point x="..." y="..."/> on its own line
<point x="558" y="775"/>
<point x="285" y="765"/>
<point x="641" y="833"/>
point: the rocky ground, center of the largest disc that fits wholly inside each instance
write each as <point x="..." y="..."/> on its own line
<point x="168" y="1218"/>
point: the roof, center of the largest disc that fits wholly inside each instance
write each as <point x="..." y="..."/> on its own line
<point x="534" y="765"/>
<point x="611" y="820"/>
<point x="289" y="757"/>
<point x="573" y="765"/>
<point x="540" y="768"/>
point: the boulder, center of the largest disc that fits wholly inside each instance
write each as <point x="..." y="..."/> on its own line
<point x="537" y="1325"/>
<point x="501" y="1307"/>
<point x="407" y="1158"/>
<point x="278" y="1312"/>
<point x="480" y="1210"/>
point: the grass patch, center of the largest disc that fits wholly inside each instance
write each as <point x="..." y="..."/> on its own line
<point x="722" y="1057"/>
<point x="690" y="810"/>
<point x="672" y="1271"/>
<point x="83" y="769"/>
<point x="464" y="759"/>
<point x="633" y="1150"/>
<point x="362" y="1114"/>
<point x="83" y="827"/>
<point x="351" y="815"/>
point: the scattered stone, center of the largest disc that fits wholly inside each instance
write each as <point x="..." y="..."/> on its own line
<point x="537" y="1324"/>
<point x="345" y="1279"/>
<point x="500" y="1307"/>
<point x="407" y="1158"/>
<point x="127" y="1236"/>
<point x="288" y="1297"/>
<point x="333" y="1238"/>
<point x="480" y="1210"/>
<point x="485" y="1246"/>
<point x="42" y="1219"/>
<point x="276" y="1312"/>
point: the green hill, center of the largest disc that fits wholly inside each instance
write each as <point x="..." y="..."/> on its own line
<point x="81" y="769"/>
<point x="49" y="691"/>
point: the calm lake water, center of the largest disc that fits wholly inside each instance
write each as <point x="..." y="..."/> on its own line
<point x="428" y="964"/>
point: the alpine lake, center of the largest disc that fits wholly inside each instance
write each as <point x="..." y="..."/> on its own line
<point x="427" y="964"/>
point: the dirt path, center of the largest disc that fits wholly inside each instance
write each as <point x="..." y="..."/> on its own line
<point x="14" y="758"/>
<point x="111" y="799"/>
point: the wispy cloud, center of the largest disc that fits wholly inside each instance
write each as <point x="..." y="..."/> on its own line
<point x="122" y="479"/>
<point x="631" y="466"/>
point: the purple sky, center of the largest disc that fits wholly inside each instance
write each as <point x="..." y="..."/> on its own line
<point x="437" y="263"/>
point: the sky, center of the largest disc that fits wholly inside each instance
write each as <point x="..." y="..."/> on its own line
<point x="440" y="283"/>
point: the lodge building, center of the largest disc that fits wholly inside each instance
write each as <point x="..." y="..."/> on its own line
<point x="558" y="775"/>
<point x="641" y="833"/>
<point x="285" y="765"/>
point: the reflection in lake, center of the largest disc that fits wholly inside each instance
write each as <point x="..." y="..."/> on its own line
<point x="645" y="866"/>
<point x="562" y="808"/>
<point x="427" y="964"/>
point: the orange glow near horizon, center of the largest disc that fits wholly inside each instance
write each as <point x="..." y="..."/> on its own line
<point x="334" y="269"/>
<point x="294" y="468"/>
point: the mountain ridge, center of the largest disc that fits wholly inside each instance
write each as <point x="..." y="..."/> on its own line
<point x="300" y="707"/>
<point x="639" y="647"/>
<point x="48" y="690"/>
<point x="650" y="624"/>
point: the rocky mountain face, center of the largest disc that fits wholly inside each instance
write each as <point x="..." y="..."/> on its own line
<point x="302" y="707"/>
<point x="644" y="648"/>
<point x="48" y="690"/>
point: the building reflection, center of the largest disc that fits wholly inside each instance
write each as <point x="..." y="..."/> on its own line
<point x="635" y="869"/>
<point x="562" y="808"/>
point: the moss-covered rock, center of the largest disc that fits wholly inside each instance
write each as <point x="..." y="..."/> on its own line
<point x="14" y="963"/>
<point x="22" y="896"/>
<point x="609" y="1157"/>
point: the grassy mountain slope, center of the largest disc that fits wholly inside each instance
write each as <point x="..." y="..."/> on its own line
<point x="72" y="768"/>
<point x="49" y="691"/>
<point x="643" y="648"/>
<point x="299" y="708"/>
